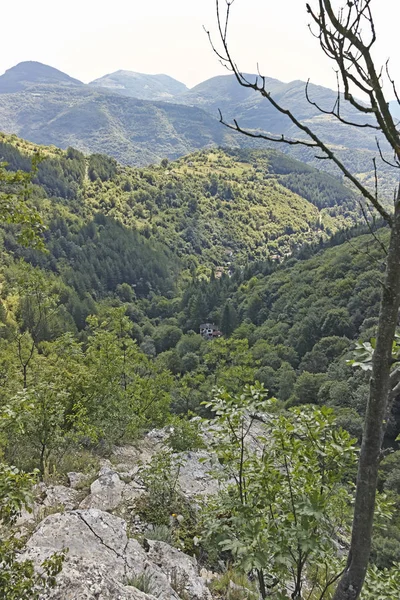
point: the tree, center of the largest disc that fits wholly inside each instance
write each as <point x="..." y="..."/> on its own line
<point x="19" y="578"/>
<point x="15" y="192"/>
<point x="124" y="390"/>
<point x="347" y="36"/>
<point x="283" y="497"/>
<point x="228" y="319"/>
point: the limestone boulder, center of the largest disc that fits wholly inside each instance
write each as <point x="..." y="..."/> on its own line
<point x="61" y="496"/>
<point x="103" y="563"/>
<point x="77" y="480"/>
<point x="194" y="477"/>
<point x="181" y="569"/>
<point x="105" y="492"/>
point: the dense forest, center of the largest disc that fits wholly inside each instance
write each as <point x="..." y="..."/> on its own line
<point x="100" y="330"/>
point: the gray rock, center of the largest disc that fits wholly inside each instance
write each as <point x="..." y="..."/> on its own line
<point x="102" y="560"/>
<point x="105" y="492"/>
<point x="181" y="569"/>
<point x="194" y="475"/>
<point x="59" y="495"/>
<point x="77" y="480"/>
<point x="82" y="580"/>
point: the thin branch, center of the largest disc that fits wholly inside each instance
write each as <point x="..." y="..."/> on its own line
<point x="316" y="141"/>
<point x="329" y="583"/>
<point x="336" y="113"/>
<point x="392" y="83"/>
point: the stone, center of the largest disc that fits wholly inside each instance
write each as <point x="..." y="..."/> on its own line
<point x="59" y="495"/>
<point x="105" y="492"/>
<point x="194" y="475"/>
<point x="102" y="561"/>
<point x="82" y="580"/>
<point x="77" y="480"/>
<point x="181" y="569"/>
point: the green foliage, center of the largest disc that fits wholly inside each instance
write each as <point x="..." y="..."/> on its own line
<point x="288" y="500"/>
<point x="126" y="392"/>
<point x="15" y="208"/>
<point x="161" y="533"/>
<point x="381" y="584"/>
<point x="364" y="352"/>
<point x="44" y="428"/>
<point x="232" y="585"/>
<point x="101" y="167"/>
<point x="142" y="582"/>
<point x="185" y="433"/>
<point x="162" y="499"/>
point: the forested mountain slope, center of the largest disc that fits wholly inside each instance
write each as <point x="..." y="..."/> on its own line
<point x="147" y="236"/>
<point x="253" y="112"/>
<point x="211" y="207"/>
<point x="95" y="120"/>
<point x="29" y="73"/>
<point x="102" y="331"/>
<point x="47" y="106"/>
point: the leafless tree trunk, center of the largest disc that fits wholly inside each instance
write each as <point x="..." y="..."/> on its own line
<point x="347" y="35"/>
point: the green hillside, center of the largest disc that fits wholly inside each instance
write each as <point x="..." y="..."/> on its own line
<point x="354" y="146"/>
<point x="99" y="335"/>
<point x="95" y="120"/>
<point x="215" y="207"/>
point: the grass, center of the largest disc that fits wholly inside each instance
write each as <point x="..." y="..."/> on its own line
<point x="142" y="582"/>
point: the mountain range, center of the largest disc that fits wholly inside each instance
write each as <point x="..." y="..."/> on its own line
<point x="140" y="119"/>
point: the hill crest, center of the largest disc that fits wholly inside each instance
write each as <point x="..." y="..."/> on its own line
<point x="31" y="72"/>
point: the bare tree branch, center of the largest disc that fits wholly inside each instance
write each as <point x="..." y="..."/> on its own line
<point x="347" y="38"/>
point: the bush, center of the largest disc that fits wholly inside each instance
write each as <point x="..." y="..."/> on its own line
<point x="162" y="498"/>
<point x="185" y="434"/>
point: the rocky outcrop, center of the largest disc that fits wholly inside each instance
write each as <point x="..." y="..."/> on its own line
<point x="182" y="570"/>
<point x="103" y="563"/>
<point x="105" y="492"/>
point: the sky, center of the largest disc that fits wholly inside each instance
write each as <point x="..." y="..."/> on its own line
<point x="90" y="38"/>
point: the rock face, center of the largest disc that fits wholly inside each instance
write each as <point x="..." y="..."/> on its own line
<point x="105" y="492"/>
<point x="103" y="563"/>
<point x="181" y="569"/>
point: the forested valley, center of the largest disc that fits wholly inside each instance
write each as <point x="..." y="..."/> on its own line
<point x="101" y="343"/>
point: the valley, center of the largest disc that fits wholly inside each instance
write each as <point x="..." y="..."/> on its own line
<point x="188" y="322"/>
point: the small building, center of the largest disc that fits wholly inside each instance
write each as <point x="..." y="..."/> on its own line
<point x="209" y="331"/>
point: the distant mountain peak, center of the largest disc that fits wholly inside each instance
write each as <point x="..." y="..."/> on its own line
<point x="141" y="85"/>
<point x="31" y="72"/>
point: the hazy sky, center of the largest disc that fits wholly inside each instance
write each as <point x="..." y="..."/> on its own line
<point x="89" y="38"/>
